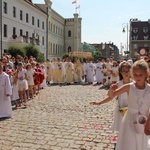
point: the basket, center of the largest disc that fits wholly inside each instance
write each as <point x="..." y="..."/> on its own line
<point x="140" y="123"/>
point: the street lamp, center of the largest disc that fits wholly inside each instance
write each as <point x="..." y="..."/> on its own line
<point x="125" y="29"/>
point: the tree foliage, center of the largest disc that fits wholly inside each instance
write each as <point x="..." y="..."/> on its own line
<point x="27" y="50"/>
<point x="31" y="50"/>
<point x="15" y="50"/>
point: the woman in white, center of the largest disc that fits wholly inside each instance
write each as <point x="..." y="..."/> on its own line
<point x="6" y="91"/>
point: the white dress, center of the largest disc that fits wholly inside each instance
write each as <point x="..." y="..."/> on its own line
<point x="128" y="139"/>
<point x="30" y="74"/>
<point x="114" y="70"/>
<point x="15" y="94"/>
<point x="43" y="84"/>
<point x="90" y="72"/>
<point x="5" y="102"/>
<point x="122" y="102"/>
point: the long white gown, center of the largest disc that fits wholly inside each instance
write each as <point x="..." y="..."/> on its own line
<point x="122" y="102"/>
<point x="128" y="138"/>
<point x="99" y="74"/>
<point x="90" y="72"/>
<point x="5" y="101"/>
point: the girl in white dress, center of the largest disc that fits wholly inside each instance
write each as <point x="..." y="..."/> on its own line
<point x="22" y="82"/>
<point x="121" y="101"/>
<point x="138" y="105"/>
<point x="30" y="72"/>
<point x="104" y="72"/>
<point x="114" y="73"/>
<point x="13" y="81"/>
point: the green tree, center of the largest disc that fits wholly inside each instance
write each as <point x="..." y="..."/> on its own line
<point x="15" y="50"/>
<point x="65" y="55"/>
<point x="31" y="50"/>
<point x="41" y="57"/>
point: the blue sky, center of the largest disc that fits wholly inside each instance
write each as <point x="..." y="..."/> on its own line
<point x="102" y="19"/>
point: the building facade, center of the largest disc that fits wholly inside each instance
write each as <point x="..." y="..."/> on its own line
<point x="139" y="39"/>
<point x="108" y="50"/>
<point x="24" y="22"/>
<point x="64" y="34"/>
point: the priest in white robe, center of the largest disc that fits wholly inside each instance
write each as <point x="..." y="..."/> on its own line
<point x="5" y="92"/>
<point x="99" y="74"/>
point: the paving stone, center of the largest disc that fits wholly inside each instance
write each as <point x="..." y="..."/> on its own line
<point x="61" y="119"/>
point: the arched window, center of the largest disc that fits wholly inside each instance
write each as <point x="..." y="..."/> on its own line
<point x="53" y="48"/>
<point x="49" y="25"/>
<point x="69" y="49"/>
<point x="56" y="49"/>
<point x="69" y="33"/>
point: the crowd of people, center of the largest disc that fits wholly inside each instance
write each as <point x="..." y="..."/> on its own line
<point x="132" y="94"/>
<point x="22" y="78"/>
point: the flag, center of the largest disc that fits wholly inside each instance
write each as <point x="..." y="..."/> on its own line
<point x="78" y="7"/>
<point x="74" y="1"/>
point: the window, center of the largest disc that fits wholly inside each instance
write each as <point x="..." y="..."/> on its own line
<point x="5" y="30"/>
<point x="14" y="31"/>
<point x="21" y="15"/>
<point x="5" y="8"/>
<point x="21" y="32"/>
<point x="135" y="37"/>
<point x="43" y="25"/>
<point x="135" y="46"/>
<point x="14" y="12"/>
<point x="145" y="29"/>
<point x="69" y="33"/>
<point x="54" y="28"/>
<point x="145" y="37"/>
<point x="51" y="26"/>
<point x="69" y="49"/>
<point x="38" y="23"/>
<point x="43" y="40"/>
<point x="32" y="20"/>
<point x="135" y="30"/>
<point x="27" y="17"/>
<point x="27" y="34"/>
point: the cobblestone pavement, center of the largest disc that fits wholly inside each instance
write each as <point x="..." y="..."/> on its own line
<point x="60" y="118"/>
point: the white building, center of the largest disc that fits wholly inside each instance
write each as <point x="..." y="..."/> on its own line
<point x="64" y="34"/>
<point x="24" y="22"/>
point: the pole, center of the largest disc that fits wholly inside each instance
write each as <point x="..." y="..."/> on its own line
<point x="127" y="42"/>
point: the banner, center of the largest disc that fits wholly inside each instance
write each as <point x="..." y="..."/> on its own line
<point x="81" y="54"/>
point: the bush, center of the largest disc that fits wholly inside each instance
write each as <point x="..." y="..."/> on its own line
<point x="15" y="50"/>
<point x="31" y="50"/>
<point x="41" y="57"/>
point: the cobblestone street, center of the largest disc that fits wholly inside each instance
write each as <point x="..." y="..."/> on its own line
<point x="60" y="118"/>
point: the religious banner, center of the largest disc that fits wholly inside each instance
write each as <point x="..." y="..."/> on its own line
<point x="81" y="54"/>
